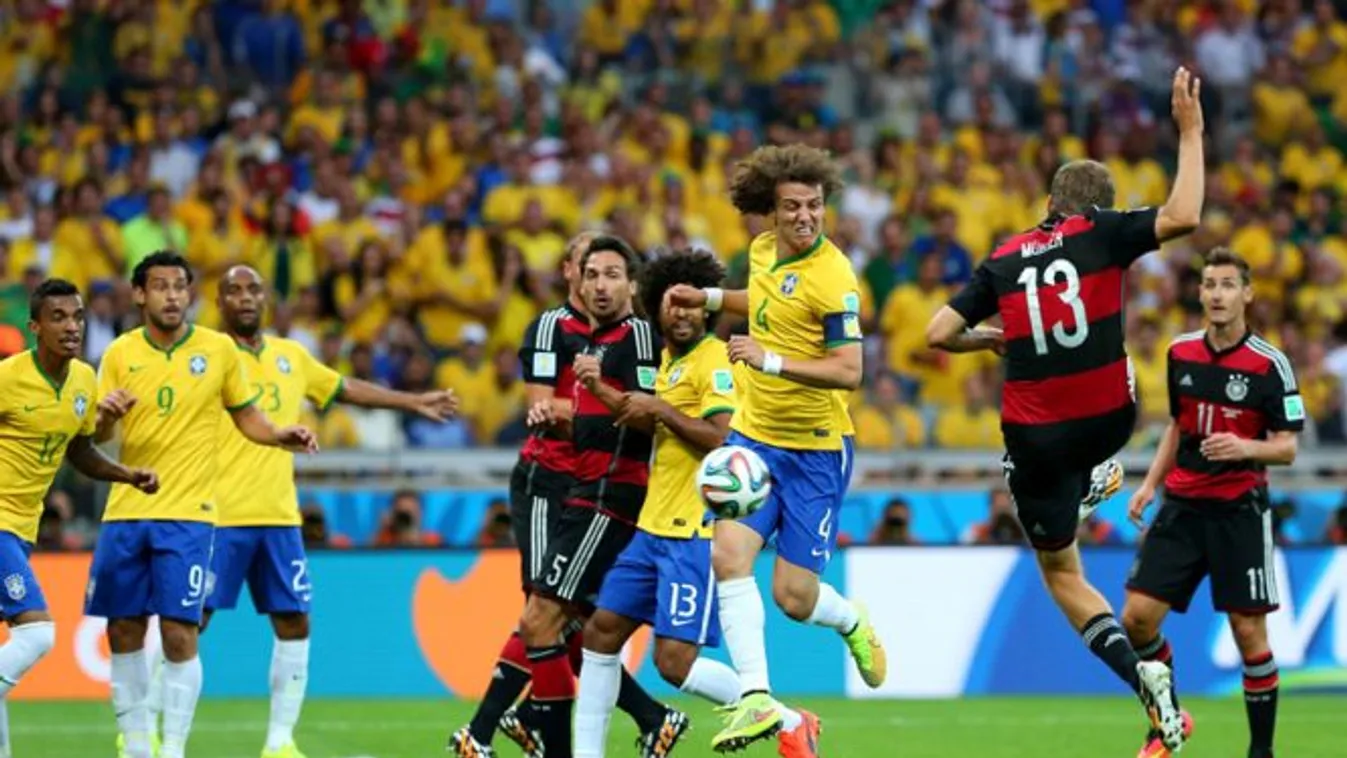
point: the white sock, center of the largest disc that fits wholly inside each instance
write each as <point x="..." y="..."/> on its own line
<point x="27" y="644"/>
<point x="742" y="619"/>
<point x="182" y="688"/>
<point x="600" y="679"/>
<point x="714" y="681"/>
<point x="790" y="718"/>
<point x="834" y="611"/>
<point x="130" y="689"/>
<point x="289" y="679"/>
<point x="154" y="699"/>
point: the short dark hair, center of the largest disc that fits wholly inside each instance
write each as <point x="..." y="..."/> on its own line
<point x="698" y="268"/>
<point x="163" y="258"/>
<point x="753" y="185"/>
<point x="1224" y="256"/>
<point x="1080" y="185"/>
<point x="49" y="288"/>
<point x="609" y="243"/>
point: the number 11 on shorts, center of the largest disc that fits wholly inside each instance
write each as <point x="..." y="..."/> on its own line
<point x="1258" y="584"/>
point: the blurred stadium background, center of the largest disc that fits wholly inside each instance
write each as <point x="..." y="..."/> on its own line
<point x="405" y="173"/>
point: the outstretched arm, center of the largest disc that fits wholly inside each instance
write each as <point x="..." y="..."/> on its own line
<point x="949" y="332"/>
<point x="841" y="369"/>
<point x="438" y="405"/>
<point x="712" y="299"/>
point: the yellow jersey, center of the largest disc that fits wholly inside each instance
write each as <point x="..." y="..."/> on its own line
<point x="798" y="308"/>
<point x="38" y="418"/>
<point x="256" y="483"/>
<point x="698" y="383"/>
<point x="174" y="428"/>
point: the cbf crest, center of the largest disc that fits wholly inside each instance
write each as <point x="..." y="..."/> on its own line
<point x="789" y="284"/>
<point x="1237" y="387"/>
<point x="283" y="364"/>
<point x="675" y="375"/>
<point x="15" y="587"/>
<point x="81" y="404"/>
<point x="197" y="365"/>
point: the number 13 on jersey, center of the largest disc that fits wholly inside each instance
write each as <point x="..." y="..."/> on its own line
<point x="1069" y="336"/>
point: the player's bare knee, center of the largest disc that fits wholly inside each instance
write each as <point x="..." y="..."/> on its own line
<point x="290" y="626"/>
<point x="1141" y="625"/>
<point x="127" y="635"/>
<point x="731" y="561"/>
<point x="796" y="598"/>
<point x="1250" y="633"/>
<point x="179" y="639"/>
<point x="674" y="660"/>
<point x="542" y="622"/>
<point x="603" y="633"/>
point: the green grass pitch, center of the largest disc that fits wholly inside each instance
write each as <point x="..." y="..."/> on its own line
<point x="1310" y="727"/>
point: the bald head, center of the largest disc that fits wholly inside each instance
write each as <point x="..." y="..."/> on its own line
<point x="242" y="301"/>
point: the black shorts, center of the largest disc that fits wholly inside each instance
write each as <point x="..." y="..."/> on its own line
<point x="1075" y="444"/>
<point x="1047" y="501"/>
<point x="584" y="546"/>
<point x="1229" y="541"/>
<point x="536" y="494"/>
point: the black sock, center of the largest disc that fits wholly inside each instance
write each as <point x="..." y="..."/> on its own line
<point x="1159" y="650"/>
<point x="1106" y="639"/>
<point x="1260" y="703"/>
<point x="646" y="711"/>
<point x="507" y="683"/>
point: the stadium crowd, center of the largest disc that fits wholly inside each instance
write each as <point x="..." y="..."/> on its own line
<point x="405" y="173"/>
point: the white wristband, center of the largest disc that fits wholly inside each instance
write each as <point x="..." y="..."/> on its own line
<point x="715" y="298"/>
<point x="771" y="363"/>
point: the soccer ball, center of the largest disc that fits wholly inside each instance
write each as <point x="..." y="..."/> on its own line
<point x="734" y="481"/>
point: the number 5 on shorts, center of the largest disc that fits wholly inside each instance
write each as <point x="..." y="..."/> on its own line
<point x="558" y="568"/>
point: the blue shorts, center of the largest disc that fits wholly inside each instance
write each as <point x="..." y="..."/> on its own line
<point x="666" y="582"/>
<point x="22" y="592"/>
<point x="270" y="558"/>
<point x="149" y="568"/>
<point x="807" y="491"/>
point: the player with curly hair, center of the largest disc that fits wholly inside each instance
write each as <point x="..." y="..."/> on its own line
<point x="663" y="577"/>
<point x="803" y="355"/>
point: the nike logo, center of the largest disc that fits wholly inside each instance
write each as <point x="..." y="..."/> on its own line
<point x="818" y="552"/>
<point x="189" y="603"/>
<point x="30" y="408"/>
<point x="760" y="716"/>
<point x="682" y="622"/>
<point x="134" y="369"/>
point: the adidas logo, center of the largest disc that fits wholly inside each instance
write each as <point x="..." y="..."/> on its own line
<point x="497" y="673"/>
<point x="1186" y="381"/>
<point x="1039" y="530"/>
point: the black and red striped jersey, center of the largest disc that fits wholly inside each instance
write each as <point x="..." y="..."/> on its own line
<point x="1059" y="289"/>
<point x="612" y="463"/>
<point x="546" y="355"/>
<point x="1248" y="390"/>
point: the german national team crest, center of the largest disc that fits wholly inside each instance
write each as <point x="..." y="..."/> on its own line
<point x="81" y="404"/>
<point x="197" y="365"/>
<point x="283" y="364"/>
<point x="789" y="284"/>
<point x="15" y="587"/>
<point x="1237" y="388"/>
<point x="675" y="375"/>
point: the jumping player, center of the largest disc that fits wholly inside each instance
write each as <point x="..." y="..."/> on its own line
<point x="166" y="384"/>
<point x="1068" y="404"/>
<point x="1235" y="409"/>
<point x="804" y="353"/>
<point x="664" y="576"/>
<point x="47" y="414"/>
<point x="539" y="483"/>
<point x="258" y="539"/>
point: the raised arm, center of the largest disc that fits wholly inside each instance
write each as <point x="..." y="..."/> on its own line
<point x="1182" y="212"/>
<point x="712" y="299"/>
